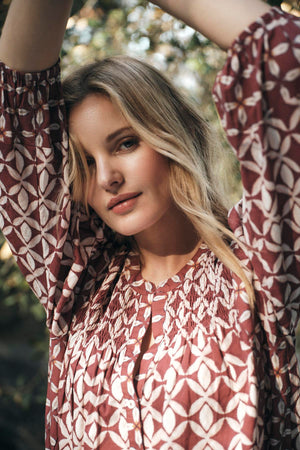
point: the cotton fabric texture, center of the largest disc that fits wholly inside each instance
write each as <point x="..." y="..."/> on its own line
<point x="216" y="377"/>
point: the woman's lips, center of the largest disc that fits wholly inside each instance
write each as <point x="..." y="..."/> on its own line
<point x="123" y="203"/>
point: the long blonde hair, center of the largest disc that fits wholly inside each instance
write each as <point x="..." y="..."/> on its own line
<point x="166" y="120"/>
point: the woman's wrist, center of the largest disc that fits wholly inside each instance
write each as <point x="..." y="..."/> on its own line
<point x="33" y="32"/>
<point x="215" y="19"/>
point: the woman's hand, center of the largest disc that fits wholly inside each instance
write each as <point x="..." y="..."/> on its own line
<point x="33" y="32"/>
<point x="219" y="20"/>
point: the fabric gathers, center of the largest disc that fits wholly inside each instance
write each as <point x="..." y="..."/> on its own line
<point x="217" y="376"/>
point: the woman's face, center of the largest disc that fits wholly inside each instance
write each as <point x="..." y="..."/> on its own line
<point x="129" y="187"/>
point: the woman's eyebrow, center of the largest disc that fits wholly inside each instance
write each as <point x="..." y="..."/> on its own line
<point x="116" y="133"/>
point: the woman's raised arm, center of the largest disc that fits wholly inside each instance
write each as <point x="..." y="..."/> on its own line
<point x="220" y="20"/>
<point x="33" y="32"/>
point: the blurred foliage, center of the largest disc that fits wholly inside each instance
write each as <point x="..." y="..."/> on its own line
<point x="96" y="29"/>
<point x="23" y="360"/>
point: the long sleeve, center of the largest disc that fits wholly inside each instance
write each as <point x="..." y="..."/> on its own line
<point x="257" y="95"/>
<point x="51" y="243"/>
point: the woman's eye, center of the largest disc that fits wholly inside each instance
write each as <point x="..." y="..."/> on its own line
<point x="129" y="144"/>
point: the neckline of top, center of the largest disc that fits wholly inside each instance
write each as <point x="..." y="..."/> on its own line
<point x="133" y="276"/>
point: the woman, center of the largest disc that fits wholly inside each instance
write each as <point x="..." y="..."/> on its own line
<point x="169" y="326"/>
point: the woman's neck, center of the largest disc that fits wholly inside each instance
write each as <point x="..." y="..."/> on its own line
<point x="165" y="249"/>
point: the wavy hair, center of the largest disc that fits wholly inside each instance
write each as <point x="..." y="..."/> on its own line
<point x="166" y="121"/>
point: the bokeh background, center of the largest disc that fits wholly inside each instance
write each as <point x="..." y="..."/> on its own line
<point x="97" y="28"/>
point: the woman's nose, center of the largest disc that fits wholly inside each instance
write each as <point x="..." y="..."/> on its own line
<point x="108" y="174"/>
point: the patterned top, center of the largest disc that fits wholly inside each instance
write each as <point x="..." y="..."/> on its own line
<point x="215" y="377"/>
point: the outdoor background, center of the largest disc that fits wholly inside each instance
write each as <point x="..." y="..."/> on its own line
<point x="96" y="29"/>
